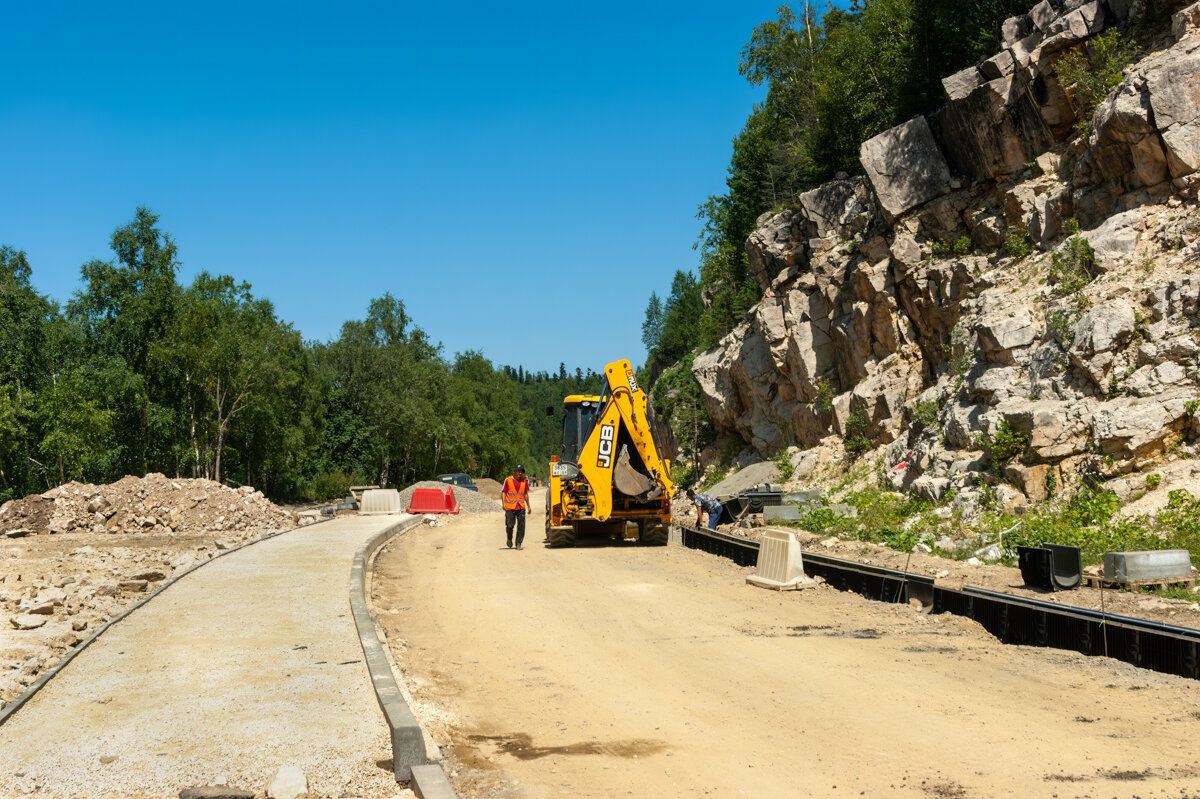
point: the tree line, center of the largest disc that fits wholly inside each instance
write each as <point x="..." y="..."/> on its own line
<point x="138" y="373"/>
<point x="835" y="77"/>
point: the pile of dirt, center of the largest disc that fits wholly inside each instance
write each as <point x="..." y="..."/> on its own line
<point x="489" y="487"/>
<point x="469" y="501"/>
<point x="154" y="505"/>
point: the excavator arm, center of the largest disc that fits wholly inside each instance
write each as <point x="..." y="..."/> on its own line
<point x="606" y="461"/>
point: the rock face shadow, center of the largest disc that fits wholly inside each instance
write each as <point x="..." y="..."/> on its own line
<point x="520" y="745"/>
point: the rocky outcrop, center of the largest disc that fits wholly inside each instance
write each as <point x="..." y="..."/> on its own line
<point x="891" y="300"/>
<point x="905" y="166"/>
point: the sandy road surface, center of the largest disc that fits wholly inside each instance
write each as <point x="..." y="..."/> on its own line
<point x="625" y="671"/>
<point x="250" y="663"/>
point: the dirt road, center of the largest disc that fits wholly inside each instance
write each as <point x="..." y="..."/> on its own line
<point x="624" y="671"/>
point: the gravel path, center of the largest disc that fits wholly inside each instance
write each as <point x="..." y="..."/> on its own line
<point x="249" y="664"/>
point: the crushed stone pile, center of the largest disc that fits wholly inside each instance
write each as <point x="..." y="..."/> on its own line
<point x="154" y="505"/>
<point x="469" y="501"/>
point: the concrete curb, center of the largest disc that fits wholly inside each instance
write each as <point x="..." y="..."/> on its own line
<point x="12" y="707"/>
<point x="410" y="760"/>
<point x="429" y="782"/>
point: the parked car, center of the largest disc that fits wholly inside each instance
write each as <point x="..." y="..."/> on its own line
<point x="459" y="480"/>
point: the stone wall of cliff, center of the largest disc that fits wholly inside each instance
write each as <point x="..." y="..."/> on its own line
<point x="890" y="298"/>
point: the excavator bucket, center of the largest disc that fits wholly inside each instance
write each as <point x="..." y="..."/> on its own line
<point x="630" y="481"/>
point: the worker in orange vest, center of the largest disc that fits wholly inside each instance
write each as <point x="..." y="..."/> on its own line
<point x="515" y="498"/>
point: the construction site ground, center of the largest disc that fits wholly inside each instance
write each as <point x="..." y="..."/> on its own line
<point x="618" y="670"/>
<point x="247" y="665"/>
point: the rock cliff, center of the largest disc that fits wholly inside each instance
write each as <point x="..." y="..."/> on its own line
<point x="996" y="295"/>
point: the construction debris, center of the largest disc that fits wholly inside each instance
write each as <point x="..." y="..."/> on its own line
<point x="153" y="505"/>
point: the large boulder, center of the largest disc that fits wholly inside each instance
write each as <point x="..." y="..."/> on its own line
<point x="905" y="166"/>
<point x="840" y="208"/>
<point x="1174" y="86"/>
<point x="1003" y="335"/>
<point x="1115" y="240"/>
<point x="1055" y="429"/>
<point x="1132" y="431"/>
<point x="1101" y="331"/>
<point x="995" y="129"/>
<point x="776" y="244"/>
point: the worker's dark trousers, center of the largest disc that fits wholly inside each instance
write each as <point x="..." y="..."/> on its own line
<point x="517" y="516"/>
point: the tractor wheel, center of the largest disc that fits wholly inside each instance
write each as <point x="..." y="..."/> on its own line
<point x="561" y="536"/>
<point x="653" y="534"/>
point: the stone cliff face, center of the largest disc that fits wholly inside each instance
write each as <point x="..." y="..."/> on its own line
<point x="871" y="324"/>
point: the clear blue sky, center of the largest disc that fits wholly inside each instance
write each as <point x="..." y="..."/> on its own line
<point x="522" y="175"/>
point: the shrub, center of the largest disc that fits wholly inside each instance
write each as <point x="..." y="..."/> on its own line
<point x="783" y="461"/>
<point x="825" y="395"/>
<point x="1089" y="77"/>
<point x="925" y="413"/>
<point x="327" y="486"/>
<point x="1016" y="241"/>
<point x="858" y="434"/>
<point x="1007" y="444"/>
<point x="1153" y="481"/>
<point x="1062" y="325"/>
<point x="1073" y="265"/>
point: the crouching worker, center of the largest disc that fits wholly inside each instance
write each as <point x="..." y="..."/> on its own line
<point x="705" y="504"/>
<point x="515" y="498"/>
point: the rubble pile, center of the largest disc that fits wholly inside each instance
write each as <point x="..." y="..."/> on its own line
<point x="154" y="505"/>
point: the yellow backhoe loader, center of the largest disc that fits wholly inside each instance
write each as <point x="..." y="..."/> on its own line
<point x="610" y="473"/>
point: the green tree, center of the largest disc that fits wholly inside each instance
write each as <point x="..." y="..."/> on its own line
<point x="227" y="345"/>
<point x="74" y="426"/>
<point x="125" y="313"/>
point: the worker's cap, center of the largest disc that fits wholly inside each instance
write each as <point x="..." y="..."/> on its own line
<point x="519" y="468"/>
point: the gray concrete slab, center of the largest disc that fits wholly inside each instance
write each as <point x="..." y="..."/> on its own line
<point x="1163" y="564"/>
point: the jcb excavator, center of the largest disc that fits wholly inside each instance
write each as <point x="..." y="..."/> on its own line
<point x="610" y="472"/>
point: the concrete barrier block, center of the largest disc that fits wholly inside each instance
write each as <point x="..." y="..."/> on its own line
<point x="775" y="513"/>
<point x="1163" y="564"/>
<point x="780" y="564"/>
<point x="380" y="500"/>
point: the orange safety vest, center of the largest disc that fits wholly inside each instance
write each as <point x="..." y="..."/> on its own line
<point x="514" y="493"/>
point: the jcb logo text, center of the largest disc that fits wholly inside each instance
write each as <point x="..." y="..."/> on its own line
<point x="607" y="433"/>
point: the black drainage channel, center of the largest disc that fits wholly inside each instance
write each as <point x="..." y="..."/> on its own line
<point x="1012" y="619"/>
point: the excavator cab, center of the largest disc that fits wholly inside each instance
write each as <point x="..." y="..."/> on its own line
<point x="579" y="416"/>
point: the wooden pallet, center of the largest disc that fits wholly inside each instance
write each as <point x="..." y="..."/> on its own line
<point x="1136" y="585"/>
<point x="357" y="492"/>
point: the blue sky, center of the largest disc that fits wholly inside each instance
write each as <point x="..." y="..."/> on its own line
<point x="521" y="175"/>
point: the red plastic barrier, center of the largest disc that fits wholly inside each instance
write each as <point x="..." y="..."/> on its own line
<point x="433" y="500"/>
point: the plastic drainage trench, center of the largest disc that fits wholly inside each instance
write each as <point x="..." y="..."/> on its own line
<point x="1012" y="619"/>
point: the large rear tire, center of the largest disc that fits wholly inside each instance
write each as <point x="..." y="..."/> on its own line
<point x="653" y="534"/>
<point x="561" y="536"/>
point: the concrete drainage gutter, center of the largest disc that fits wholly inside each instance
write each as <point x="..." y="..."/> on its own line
<point x="410" y="760"/>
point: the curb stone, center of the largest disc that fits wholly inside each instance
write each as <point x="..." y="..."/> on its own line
<point x="410" y="760"/>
